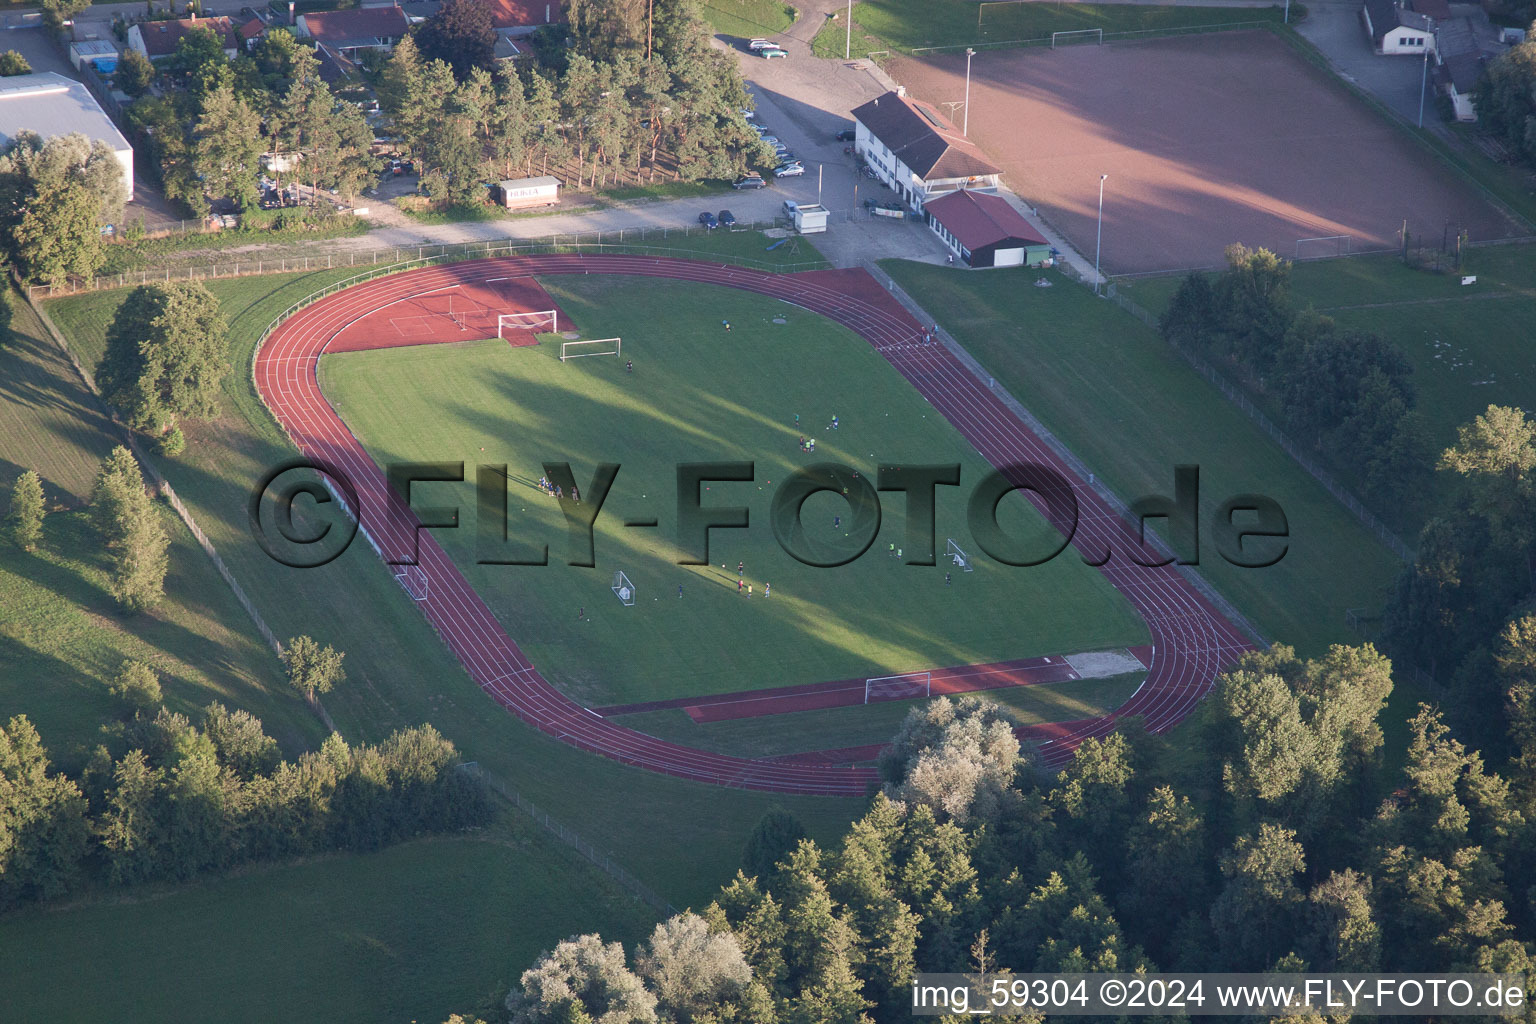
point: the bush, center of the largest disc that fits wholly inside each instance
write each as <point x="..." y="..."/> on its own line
<point x="13" y="63"/>
<point x="173" y="442"/>
<point x="137" y="686"/>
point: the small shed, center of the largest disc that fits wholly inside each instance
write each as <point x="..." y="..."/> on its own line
<point x="519" y="193"/>
<point x="810" y="218"/>
<point x="101" y="53"/>
<point x="984" y="231"/>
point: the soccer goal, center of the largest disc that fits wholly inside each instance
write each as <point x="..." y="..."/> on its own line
<point x="1078" y="32"/>
<point x="543" y="322"/>
<point x="902" y="687"/>
<point x="1324" y="247"/>
<point x="413" y="579"/>
<point x="956" y="554"/>
<point x="596" y="347"/>
<point x="623" y="589"/>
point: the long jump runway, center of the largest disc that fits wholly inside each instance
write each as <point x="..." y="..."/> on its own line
<point x="1192" y="641"/>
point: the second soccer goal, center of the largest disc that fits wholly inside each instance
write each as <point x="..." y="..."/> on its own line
<point x="596" y="347"/>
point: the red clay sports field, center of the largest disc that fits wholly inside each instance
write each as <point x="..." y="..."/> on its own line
<point x="1192" y="642"/>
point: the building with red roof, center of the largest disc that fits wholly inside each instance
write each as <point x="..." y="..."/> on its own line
<point x="985" y="231"/>
<point x="917" y="152"/>
<point x="521" y="17"/>
<point x="157" y="39"/>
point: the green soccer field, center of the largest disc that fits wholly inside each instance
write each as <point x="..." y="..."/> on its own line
<point x="697" y="394"/>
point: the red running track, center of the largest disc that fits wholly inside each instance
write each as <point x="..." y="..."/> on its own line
<point x="1192" y="641"/>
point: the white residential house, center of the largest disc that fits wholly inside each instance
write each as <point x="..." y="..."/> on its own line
<point x="1396" y="29"/>
<point x="917" y="152"/>
<point x="157" y="39"/>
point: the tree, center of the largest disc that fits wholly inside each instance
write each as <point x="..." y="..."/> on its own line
<point x="137" y="686"/>
<point x="57" y="13"/>
<point x="774" y="837"/>
<point x="131" y="531"/>
<point x="1348" y="938"/>
<point x="135" y="73"/>
<point x="1252" y="305"/>
<point x="1190" y="319"/>
<point x="1495" y="455"/>
<point x="130" y="827"/>
<point x="239" y="740"/>
<point x="200" y="62"/>
<point x="460" y="33"/>
<point x="582" y="979"/>
<point x="1253" y="914"/>
<point x="42" y="819"/>
<point x="311" y="668"/>
<point x="13" y="63"/>
<point x="227" y="148"/>
<point x="955" y="756"/>
<point x="166" y="355"/>
<point x="27" y="510"/>
<point x="1505" y="100"/>
<point x="54" y="197"/>
<point x="692" y="971"/>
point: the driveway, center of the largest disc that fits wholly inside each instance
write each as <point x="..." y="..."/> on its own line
<point x="1335" y="28"/>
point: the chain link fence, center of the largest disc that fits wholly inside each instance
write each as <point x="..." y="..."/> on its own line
<point x="601" y="859"/>
<point x="643" y="241"/>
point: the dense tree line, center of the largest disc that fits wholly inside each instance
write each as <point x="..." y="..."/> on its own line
<point x="617" y="104"/>
<point x="1284" y="845"/>
<point x="207" y="132"/>
<point x="1345" y="392"/>
<point x="1463" y="609"/>
<point x="1506" y="94"/>
<point x="180" y="800"/>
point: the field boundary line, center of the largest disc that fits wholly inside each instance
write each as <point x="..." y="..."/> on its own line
<point x="1237" y="397"/>
<point x="600" y="859"/>
<point x="1125" y="35"/>
<point x="1086" y="477"/>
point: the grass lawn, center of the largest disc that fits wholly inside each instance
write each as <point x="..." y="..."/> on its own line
<point x="905" y="25"/>
<point x="414" y="932"/>
<point x="866" y="724"/>
<point x="699" y="394"/>
<point x="1125" y="403"/>
<point x="747" y="19"/>
<point x="683" y="839"/>
<point x="62" y="636"/>
<point x="49" y="421"/>
<point x="1469" y="346"/>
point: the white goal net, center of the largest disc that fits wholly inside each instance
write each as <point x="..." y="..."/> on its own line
<point x="413" y="578"/>
<point x="623" y="589"/>
<point x="543" y="322"/>
<point x="1324" y="247"/>
<point x="1077" y="35"/>
<point x="596" y="347"/>
<point x="956" y="554"/>
<point x="902" y="687"/>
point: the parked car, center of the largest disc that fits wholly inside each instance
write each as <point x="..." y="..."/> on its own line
<point x="751" y="181"/>
<point x="772" y="52"/>
<point x="786" y="157"/>
<point x="748" y="114"/>
<point x="772" y="140"/>
<point x="762" y="44"/>
<point x="794" y="170"/>
<point x="761" y="129"/>
<point x="727" y="219"/>
<point x="846" y="135"/>
<point x="790" y="206"/>
<point x="708" y="220"/>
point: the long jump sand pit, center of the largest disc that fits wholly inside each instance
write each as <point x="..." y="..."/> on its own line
<point x="1207" y="140"/>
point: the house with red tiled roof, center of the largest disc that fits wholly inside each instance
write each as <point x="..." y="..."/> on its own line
<point x="917" y="152"/>
<point x="983" y="230"/>
<point x="521" y="17"/>
<point x="157" y="39"/>
<point x="251" y="32"/>
<point x="345" y="32"/>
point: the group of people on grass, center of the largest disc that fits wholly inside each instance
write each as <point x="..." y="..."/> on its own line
<point x="556" y="491"/>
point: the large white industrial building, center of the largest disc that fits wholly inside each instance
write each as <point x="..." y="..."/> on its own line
<point x="50" y="104"/>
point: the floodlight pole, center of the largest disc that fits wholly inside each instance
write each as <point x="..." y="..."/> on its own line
<point x="965" y="128"/>
<point x="1287" y="12"/>
<point x="1098" y="245"/>
<point x="848" y="33"/>
<point x="818" y="184"/>
<point x="1423" y="82"/>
